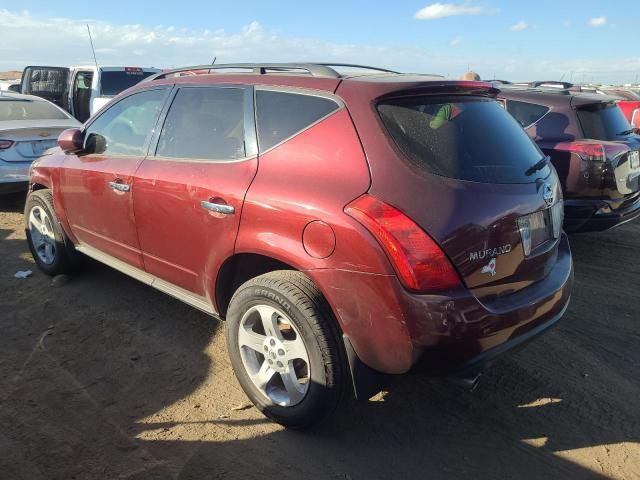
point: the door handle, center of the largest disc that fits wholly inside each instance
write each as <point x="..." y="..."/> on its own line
<point x="217" y="207"/>
<point x="121" y="187"/>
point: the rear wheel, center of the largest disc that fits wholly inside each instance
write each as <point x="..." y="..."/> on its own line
<point x="285" y="349"/>
<point x="52" y="250"/>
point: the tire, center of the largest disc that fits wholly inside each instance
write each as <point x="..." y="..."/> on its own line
<point x="59" y="256"/>
<point x="302" y="314"/>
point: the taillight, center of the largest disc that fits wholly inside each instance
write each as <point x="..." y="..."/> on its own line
<point x="420" y="263"/>
<point x="5" y="144"/>
<point x="635" y="118"/>
<point x="592" y="151"/>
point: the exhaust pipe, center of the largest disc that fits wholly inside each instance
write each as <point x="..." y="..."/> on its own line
<point x="467" y="382"/>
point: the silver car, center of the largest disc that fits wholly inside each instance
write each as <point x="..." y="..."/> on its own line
<point x="29" y="126"/>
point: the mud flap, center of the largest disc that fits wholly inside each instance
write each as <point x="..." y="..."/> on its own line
<point x="366" y="381"/>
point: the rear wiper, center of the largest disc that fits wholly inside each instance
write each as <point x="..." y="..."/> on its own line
<point x="626" y="132"/>
<point x="538" y="166"/>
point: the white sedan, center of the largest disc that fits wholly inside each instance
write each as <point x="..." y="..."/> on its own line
<point x="29" y="126"/>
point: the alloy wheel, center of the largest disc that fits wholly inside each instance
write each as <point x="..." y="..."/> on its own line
<point x="274" y="355"/>
<point x="42" y="236"/>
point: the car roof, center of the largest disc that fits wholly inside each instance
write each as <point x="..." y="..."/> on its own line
<point x="8" y="95"/>
<point x="371" y="82"/>
<point x="554" y="95"/>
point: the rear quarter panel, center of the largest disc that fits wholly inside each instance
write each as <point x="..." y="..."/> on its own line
<point x="311" y="177"/>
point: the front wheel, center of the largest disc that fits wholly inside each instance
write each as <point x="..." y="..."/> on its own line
<point x="285" y="349"/>
<point x="51" y="248"/>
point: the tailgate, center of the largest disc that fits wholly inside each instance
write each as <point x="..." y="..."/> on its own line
<point x="479" y="187"/>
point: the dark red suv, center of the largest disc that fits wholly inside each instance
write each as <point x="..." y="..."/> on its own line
<point x="345" y="226"/>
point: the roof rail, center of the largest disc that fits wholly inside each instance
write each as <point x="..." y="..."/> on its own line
<point x="353" y="65"/>
<point x="314" y="69"/>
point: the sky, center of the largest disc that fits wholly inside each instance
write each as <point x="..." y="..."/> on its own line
<point x="579" y="41"/>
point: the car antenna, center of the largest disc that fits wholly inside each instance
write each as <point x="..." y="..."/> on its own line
<point x="214" y="60"/>
<point x="93" y="50"/>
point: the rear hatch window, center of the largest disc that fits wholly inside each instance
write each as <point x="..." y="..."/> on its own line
<point x="11" y="110"/>
<point x="603" y="121"/>
<point x="112" y="82"/>
<point x="467" y="138"/>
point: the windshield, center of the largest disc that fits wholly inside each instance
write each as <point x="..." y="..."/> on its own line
<point x="603" y="121"/>
<point x="29" y="110"/>
<point x="469" y="138"/>
<point x="116" y="81"/>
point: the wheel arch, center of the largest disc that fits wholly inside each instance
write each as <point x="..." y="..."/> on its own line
<point x="238" y="269"/>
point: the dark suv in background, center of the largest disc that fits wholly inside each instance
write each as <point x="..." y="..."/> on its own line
<point x="343" y="225"/>
<point x="592" y="146"/>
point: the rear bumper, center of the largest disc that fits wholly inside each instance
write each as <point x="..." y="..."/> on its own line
<point x="12" y="172"/>
<point x="14" y="176"/>
<point x="394" y="331"/>
<point x="599" y="215"/>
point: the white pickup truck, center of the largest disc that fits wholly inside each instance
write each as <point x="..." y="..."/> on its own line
<point x="83" y="90"/>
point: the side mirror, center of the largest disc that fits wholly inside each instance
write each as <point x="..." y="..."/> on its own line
<point x="14" y="88"/>
<point x="70" y="141"/>
<point x="95" y="143"/>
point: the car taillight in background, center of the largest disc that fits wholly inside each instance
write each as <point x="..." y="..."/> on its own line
<point x="592" y="150"/>
<point x="6" y="144"/>
<point x="420" y="263"/>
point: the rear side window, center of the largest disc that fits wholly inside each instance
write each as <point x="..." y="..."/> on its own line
<point x="526" y="113"/>
<point x="113" y="82"/>
<point x="29" y="110"/>
<point x="603" y="121"/>
<point x="204" y="123"/>
<point x="470" y="138"/>
<point x="281" y="115"/>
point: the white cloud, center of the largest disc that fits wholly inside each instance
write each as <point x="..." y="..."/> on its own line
<point x="441" y="10"/>
<point x="518" y="27"/>
<point x="598" y="21"/>
<point x="31" y="39"/>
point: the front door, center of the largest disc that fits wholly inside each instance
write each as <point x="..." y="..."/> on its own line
<point x="96" y="185"/>
<point x="81" y="95"/>
<point x="188" y="196"/>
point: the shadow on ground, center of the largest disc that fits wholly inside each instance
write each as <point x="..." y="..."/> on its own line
<point x="104" y="377"/>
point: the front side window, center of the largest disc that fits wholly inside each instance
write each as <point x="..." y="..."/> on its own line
<point x="468" y="138"/>
<point x="526" y="113"/>
<point x="281" y="115"/>
<point x="204" y="123"/>
<point x="126" y="126"/>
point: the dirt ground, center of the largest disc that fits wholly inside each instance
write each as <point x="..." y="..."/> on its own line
<point x="102" y="377"/>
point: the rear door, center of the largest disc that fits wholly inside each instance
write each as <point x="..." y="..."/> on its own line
<point x="51" y="83"/>
<point x="96" y="185"/>
<point x="188" y="195"/>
